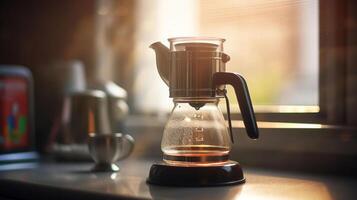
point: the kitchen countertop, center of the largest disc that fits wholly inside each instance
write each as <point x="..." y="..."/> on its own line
<point x="53" y="180"/>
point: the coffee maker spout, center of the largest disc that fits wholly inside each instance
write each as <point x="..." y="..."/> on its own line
<point x="162" y="60"/>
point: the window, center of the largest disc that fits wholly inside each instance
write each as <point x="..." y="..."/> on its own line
<point x="273" y="44"/>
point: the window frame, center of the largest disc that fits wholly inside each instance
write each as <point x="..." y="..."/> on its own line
<point x="333" y="74"/>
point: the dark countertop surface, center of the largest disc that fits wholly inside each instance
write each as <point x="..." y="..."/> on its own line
<point x="53" y="180"/>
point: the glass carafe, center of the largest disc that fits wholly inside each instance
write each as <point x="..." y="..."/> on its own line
<point x="196" y="133"/>
<point x="196" y="141"/>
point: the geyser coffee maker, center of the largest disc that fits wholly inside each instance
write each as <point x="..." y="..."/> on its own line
<point x="196" y="142"/>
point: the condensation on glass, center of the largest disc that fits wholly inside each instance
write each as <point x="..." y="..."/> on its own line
<point x="195" y="134"/>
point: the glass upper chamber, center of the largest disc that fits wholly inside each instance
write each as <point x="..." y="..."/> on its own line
<point x="196" y="133"/>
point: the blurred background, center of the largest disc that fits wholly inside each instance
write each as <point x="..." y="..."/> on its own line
<point x="296" y="55"/>
<point x="272" y="43"/>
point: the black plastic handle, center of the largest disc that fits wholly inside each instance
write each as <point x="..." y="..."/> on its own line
<point x="242" y="93"/>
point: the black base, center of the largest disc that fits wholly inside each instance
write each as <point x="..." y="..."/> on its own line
<point x="196" y="176"/>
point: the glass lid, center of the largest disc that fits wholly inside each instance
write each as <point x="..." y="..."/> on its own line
<point x="196" y="44"/>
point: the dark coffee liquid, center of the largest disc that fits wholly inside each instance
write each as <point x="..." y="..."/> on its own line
<point x="196" y="154"/>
